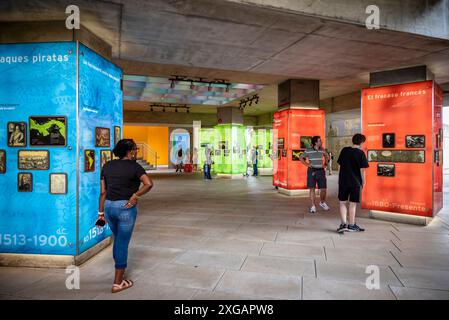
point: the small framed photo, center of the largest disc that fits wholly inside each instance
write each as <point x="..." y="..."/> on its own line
<point x="284" y="153"/>
<point x="2" y="161"/>
<point x="24" y="182"/>
<point x="33" y="159"/>
<point x="296" y="154"/>
<point x="418" y="141"/>
<point x="89" y="160"/>
<point x="226" y="152"/>
<point x="117" y="134"/>
<point x="58" y="183"/>
<point x="218" y="152"/>
<point x="280" y="143"/>
<point x="305" y="142"/>
<point x="385" y="170"/>
<point x="105" y="157"/>
<point x="17" y="134"/>
<point x="48" y="130"/>
<point x="388" y="140"/>
<point x="102" y="137"/>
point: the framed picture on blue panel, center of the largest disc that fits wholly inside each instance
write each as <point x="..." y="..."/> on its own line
<point x="48" y="131"/>
<point x="2" y="161"/>
<point x="33" y="159"/>
<point x="89" y="160"/>
<point x="117" y="134"/>
<point x="17" y="134"/>
<point x="102" y="137"/>
<point x="25" y="182"/>
<point x="105" y="157"/>
<point x="58" y="183"/>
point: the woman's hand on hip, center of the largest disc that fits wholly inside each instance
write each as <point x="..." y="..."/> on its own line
<point x="131" y="202"/>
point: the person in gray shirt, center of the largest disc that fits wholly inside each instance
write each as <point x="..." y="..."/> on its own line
<point x="316" y="159"/>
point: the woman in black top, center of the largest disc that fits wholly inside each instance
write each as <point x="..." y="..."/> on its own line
<point x="120" y="182"/>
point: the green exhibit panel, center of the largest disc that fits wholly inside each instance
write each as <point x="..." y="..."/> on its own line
<point x="263" y="142"/>
<point x="60" y="114"/>
<point x="230" y="149"/>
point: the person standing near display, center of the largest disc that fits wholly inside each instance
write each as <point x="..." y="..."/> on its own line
<point x="352" y="161"/>
<point x="120" y="192"/>
<point x="179" y="159"/>
<point x="331" y="160"/>
<point x="208" y="164"/>
<point x="254" y="155"/>
<point x="316" y="174"/>
<point x="195" y="159"/>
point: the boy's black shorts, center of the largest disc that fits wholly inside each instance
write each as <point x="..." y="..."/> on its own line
<point x="351" y="193"/>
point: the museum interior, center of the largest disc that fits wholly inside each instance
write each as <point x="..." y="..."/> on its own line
<point x="230" y="82"/>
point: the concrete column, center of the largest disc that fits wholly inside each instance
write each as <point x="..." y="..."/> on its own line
<point x="228" y="115"/>
<point x="298" y="93"/>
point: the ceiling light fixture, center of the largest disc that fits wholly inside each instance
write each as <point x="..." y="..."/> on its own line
<point x="172" y="84"/>
<point x="192" y="86"/>
<point x="227" y="87"/>
<point x="209" y="88"/>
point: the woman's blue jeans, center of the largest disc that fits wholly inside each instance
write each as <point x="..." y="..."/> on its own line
<point x="121" y="221"/>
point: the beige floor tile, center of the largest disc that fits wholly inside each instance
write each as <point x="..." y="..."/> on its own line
<point x="422" y="236"/>
<point x="353" y="272"/>
<point x="403" y="293"/>
<point x="16" y="279"/>
<point x="292" y="251"/>
<point x="208" y="259"/>
<point x="325" y="289"/>
<point x="361" y="256"/>
<point x="281" y="266"/>
<point x="261" y="285"/>
<point x="231" y="246"/>
<point x="183" y="276"/>
<point x="428" y="260"/>
<point x="144" y="290"/>
<point x="423" y="278"/>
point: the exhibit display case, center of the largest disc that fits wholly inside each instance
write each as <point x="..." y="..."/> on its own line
<point x="262" y="139"/>
<point x="293" y="130"/>
<point x="230" y="149"/>
<point x="403" y="127"/>
<point x="60" y="115"/>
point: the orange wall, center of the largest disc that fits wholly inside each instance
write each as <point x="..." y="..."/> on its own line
<point x="155" y="137"/>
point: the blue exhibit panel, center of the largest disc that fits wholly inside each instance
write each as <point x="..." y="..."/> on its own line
<point x="100" y="105"/>
<point x="38" y="79"/>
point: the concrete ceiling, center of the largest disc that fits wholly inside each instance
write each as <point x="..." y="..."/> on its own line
<point x="241" y="43"/>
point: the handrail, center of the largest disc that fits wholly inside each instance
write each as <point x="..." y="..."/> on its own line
<point x="145" y="152"/>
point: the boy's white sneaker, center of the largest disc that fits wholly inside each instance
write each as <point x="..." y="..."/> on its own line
<point x="324" y="206"/>
<point x="312" y="209"/>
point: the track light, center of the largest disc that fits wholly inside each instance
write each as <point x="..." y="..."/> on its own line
<point x="227" y="87"/>
<point x="163" y="110"/>
<point x="176" y="109"/>
<point x="151" y="109"/>
<point x="209" y="88"/>
<point x="188" y="110"/>
<point x="172" y="84"/>
<point x="192" y="86"/>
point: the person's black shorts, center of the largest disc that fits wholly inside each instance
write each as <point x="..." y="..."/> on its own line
<point x="316" y="177"/>
<point x="351" y="193"/>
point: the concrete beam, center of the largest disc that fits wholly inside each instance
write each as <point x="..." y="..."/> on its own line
<point x="177" y="119"/>
<point x="51" y="31"/>
<point x="341" y="103"/>
<point x="398" y="76"/>
<point x="423" y="17"/>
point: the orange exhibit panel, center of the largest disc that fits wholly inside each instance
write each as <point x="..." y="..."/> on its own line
<point x="293" y="130"/>
<point x="402" y="124"/>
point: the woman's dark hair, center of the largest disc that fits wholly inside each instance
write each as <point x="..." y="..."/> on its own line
<point x="122" y="147"/>
<point x="358" y="139"/>
<point x="315" y="140"/>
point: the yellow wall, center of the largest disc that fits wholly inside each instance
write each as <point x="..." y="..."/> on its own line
<point x="156" y="137"/>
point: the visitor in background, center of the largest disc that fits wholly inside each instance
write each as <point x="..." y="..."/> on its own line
<point x="254" y="155"/>
<point x="352" y="161"/>
<point x="316" y="174"/>
<point x="331" y="161"/>
<point x="120" y="192"/>
<point x="195" y="159"/>
<point x="208" y="164"/>
<point x="179" y="160"/>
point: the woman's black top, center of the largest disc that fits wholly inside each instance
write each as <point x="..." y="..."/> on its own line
<point x="122" y="178"/>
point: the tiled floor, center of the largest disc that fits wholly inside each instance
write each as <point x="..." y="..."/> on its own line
<point x="240" y="239"/>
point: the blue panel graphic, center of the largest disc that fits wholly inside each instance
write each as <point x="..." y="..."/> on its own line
<point x="100" y="105"/>
<point x="38" y="80"/>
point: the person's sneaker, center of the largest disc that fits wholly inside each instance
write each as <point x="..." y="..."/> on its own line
<point x="312" y="209"/>
<point x="354" y="228"/>
<point x="342" y="228"/>
<point x="324" y="206"/>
